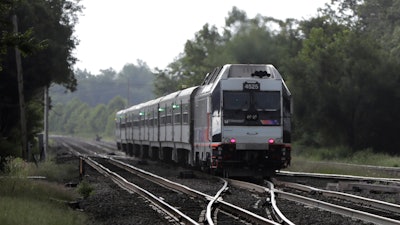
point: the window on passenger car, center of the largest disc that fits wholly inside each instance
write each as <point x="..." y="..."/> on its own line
<point x="185" y="118"/>
<point x="162" y="120"/>
<point x="169" y="119"/>
<point x="177" y="119"/>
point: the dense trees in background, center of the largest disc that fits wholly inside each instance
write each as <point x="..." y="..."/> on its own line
<point x="78" y="118"/>
<point x="341" y="66"/>
<point x="345" y="79"/>
<point x="46" y="41"/>
<point x="91" y="109"/>
<point x="133" y="82"/>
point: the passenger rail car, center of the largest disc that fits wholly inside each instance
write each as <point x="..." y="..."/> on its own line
<point x="237" y="122"/>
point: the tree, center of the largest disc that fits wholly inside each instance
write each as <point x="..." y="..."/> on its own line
<point x="164" y="83"/>
<point x="243" y="40"/>
<point x="340" y="85"/>
<point x="137" y="80"/>
<point x="46" y="41"/>
<point x="116" y="104"/>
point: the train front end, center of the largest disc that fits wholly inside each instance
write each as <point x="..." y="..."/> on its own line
<point x="252" y="128"/>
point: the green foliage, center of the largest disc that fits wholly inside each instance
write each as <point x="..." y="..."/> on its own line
<point x="85" y="189"/>
<point x="7" y="151"/>
<point x="340" y="160"/>
<point x="36" y="212"/>
<point x="54" y="172"/>
<point x="37" y="190"/>
<point x="303" y="164"/>
<point x="96" y="124"/>
<point x="45" y="38"/>
<point x="16" y="167"/>
<point x="341" y="67"/>
<point x="78" y="118"/>
<point x="336" y="153"/>
<point x="133" y="82"/>
<point x="25" y="42"/>
<point x="165" y="84"/>
<point x="343" y="76"/>
<point x="369" y="157"/>
<point x="41" y="202"/>
<point x="244" y="40"/>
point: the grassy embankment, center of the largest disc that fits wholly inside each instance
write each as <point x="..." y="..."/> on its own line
<point x="340" y="160"/>
<point x="38" y="202"/>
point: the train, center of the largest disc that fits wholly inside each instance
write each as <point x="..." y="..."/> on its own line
<point x="236" y="123"/>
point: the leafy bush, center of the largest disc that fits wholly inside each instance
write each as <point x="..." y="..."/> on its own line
<point x="56" y="172"/>
<point x="7" y="149"/>
<point x="85" y="189"/>
<point x="16" y="167"/>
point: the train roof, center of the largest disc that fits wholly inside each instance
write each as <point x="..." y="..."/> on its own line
<point x="187" y="91"/>
<point x="120" y="113"/>
<point x="261" y="71"/>
<point x="170" y="96"/>
<point x="178" y="94"/>
<point x="153" y="101"/>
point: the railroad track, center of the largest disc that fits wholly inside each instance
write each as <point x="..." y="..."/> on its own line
<point x="338" y="209"/>
<point x="364" y="208"/>
<point x="216" y="208"/>
<point x="209" y="209"/>
<point x="363" y="186"/>
<point x="187" y="214"/>
<point x="394" y="181"/>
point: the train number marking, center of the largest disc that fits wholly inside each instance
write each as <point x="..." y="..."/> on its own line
<point x="251" y="86"/>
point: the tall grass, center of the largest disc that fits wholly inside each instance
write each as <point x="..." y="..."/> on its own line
<point x="341" y="160"/>
<point x="17" y="210"/>
<point x="37" y="202"/>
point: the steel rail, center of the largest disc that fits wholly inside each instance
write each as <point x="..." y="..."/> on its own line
<point x="212" y="201"/>
<point x="249" y="216"/>
<point x="338" y="176"/>
<point x="274" y="206"/>
<point x="254" y="218"/>
<point x="352" y="213"/>
<point x="130" y="187"/>
<point x="262" y="189"/>
<point x="160" y="180"/>
<point x="345" y="196"/>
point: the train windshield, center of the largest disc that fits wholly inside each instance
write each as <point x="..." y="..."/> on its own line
<point x="236" y="100"/>
<point x="258" y="108"/>
<point x="267" y="101"/>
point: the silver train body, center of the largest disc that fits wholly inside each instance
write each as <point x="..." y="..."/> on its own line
<point x="237" y="123"/>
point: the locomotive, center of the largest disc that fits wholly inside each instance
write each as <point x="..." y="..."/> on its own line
<point x="236" y="123"/>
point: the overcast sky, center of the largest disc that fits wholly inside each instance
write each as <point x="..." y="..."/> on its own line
<point x="113" y="33"/>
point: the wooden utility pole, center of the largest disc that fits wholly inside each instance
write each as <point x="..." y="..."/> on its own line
<point x="128" y="93"/>
<point x="25" y="153"/>
<point x="46" y="124"/>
